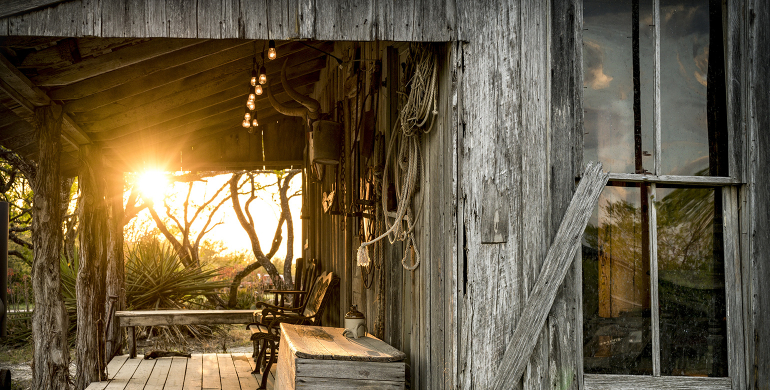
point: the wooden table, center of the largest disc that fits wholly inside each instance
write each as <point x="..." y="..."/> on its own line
<point x="322" y="358"/>
<point x="132" y="319"/>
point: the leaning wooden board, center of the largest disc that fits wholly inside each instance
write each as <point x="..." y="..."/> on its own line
<point x="322" y="358"/>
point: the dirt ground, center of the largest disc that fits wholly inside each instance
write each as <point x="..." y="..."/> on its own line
<point x="231" y="339"/>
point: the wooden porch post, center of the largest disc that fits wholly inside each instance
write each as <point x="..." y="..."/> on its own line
<point x="92" y="269"/>
<point x="50" y="368"/>
<point x="115" y="266"/>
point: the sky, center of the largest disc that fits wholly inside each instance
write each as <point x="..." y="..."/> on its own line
<point x="265" y="210"/>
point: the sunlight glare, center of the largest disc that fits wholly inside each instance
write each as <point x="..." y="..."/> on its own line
<point x="153" y="185"/>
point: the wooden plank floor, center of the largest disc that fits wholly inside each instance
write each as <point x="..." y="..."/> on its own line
<point x="211" y="371"/>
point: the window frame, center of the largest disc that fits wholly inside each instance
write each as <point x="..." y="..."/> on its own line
<point x="731" y="188"/>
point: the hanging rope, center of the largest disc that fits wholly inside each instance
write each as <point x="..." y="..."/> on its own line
<point x="420" y="105"/>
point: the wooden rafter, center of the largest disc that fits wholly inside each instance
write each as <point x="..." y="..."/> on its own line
<point x="201" y="109"/>
<point x="29" y="96"/>
<point x="109" y="62"/>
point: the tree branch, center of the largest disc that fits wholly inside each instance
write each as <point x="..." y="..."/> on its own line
<point x="18" y="240"/>
<point x="20" y="256"/>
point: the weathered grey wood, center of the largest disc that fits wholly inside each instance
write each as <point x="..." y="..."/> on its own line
<point x="336" y="345"/>
<point x="49" y="319"/>
<point x="110" y="62"/>
<point x="160" y="372"/>
<point x="183" y="317"/>
<point x="555" y="267"/>
<point x="29" y="96"/>
<point x="92" y="268"/>
<point x="668" y="179"/>
<point x="321" y="357"/>
<point x="141" y="375"/>
<point x="565" y="157"/>
<point x="194" y="375"/>
<point x="642" y="382"/>
<point x="119" y="380"/>
<point x="652" y="218"/>
<point x="115" y="274"/>
<point x="11" y="7"/>
<point x="736" y="350"/>
<point x="758" y="118"/>
<point x="334" y="384"/>
<point x="430" y="20"/>
<point x="131" y="341"/>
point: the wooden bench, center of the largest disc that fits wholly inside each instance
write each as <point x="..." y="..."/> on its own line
<point x="132" y="319"/>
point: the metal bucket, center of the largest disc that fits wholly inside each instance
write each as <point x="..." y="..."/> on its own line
<point x="326" y="142"/>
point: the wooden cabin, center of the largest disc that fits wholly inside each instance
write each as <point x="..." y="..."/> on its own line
<point x="671" y="287"/>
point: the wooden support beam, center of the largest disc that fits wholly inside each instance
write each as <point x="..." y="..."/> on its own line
<point x="115" y="274"/>
<point x="117" y="59"/>
<point x="21" y="89"/>
<point x="13" y="7"/>
<point x="49" y="319"/>
<point x="91" y="269"/>
<point x="555" y="267"/>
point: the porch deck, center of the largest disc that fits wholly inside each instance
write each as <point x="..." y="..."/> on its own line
<point x="223" y="371"/>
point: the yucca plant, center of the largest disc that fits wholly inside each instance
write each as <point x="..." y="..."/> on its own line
<point x="157" y="279"/>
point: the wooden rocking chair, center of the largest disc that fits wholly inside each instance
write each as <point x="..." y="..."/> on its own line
<point x="266" y="333"/>
<point x="305" y="283"/>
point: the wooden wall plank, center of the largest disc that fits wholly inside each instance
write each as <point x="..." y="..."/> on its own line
<point x="181" y="19"/>
<point x="759" y="161"/>
<point x="425" y="20"/>
<point x="565" y="158"/>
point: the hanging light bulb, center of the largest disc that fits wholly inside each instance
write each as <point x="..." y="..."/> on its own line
<point x="254" y="122"/>
<point x="262" y="75"/>
<point x="246" y="123"/>
<point x="254" y="75"/>
<point x="271" y="54"/>
<point x="258" y="89"/>
<point x="251" y="106"/>
<point x="252" y="96"/>
<point x="247" y="116"/>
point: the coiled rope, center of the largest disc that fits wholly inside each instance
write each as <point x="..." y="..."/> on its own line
<point x="419" y="106"/>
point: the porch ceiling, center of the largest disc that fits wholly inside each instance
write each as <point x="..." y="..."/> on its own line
<point x="144" y="101"/>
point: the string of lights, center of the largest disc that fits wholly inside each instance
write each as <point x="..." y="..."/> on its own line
<point x="258" y="79"/>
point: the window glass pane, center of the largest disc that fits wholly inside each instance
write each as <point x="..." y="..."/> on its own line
<point x="616" y="285"/>
<point x="693" y="120"/>
<point x="608" y="94"/>
<point x="691" y="282"/>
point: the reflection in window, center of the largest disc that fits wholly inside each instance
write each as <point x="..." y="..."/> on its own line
<point x="618" y="74"/>
<point x="691" y="282"/>
<point x="693" y="119"/>
<point x="616" y="286"/>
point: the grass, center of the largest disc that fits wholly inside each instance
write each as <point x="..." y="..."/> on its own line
<point x="10" y="355"/>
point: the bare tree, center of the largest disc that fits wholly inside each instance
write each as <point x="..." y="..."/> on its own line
<point x="247" y="222"/>
<point x="187" y="246"/>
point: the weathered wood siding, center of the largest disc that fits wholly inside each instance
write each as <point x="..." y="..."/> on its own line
<point x="414" y="311"/>
<point x="758" y="267"/>
<point x="369" y="20"/>
<point x="520" y="137"/>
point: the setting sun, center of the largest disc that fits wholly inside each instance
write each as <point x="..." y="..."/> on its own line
<point x="153" y="185"/>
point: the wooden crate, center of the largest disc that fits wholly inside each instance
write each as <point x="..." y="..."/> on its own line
<point x="314" y="357"/>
